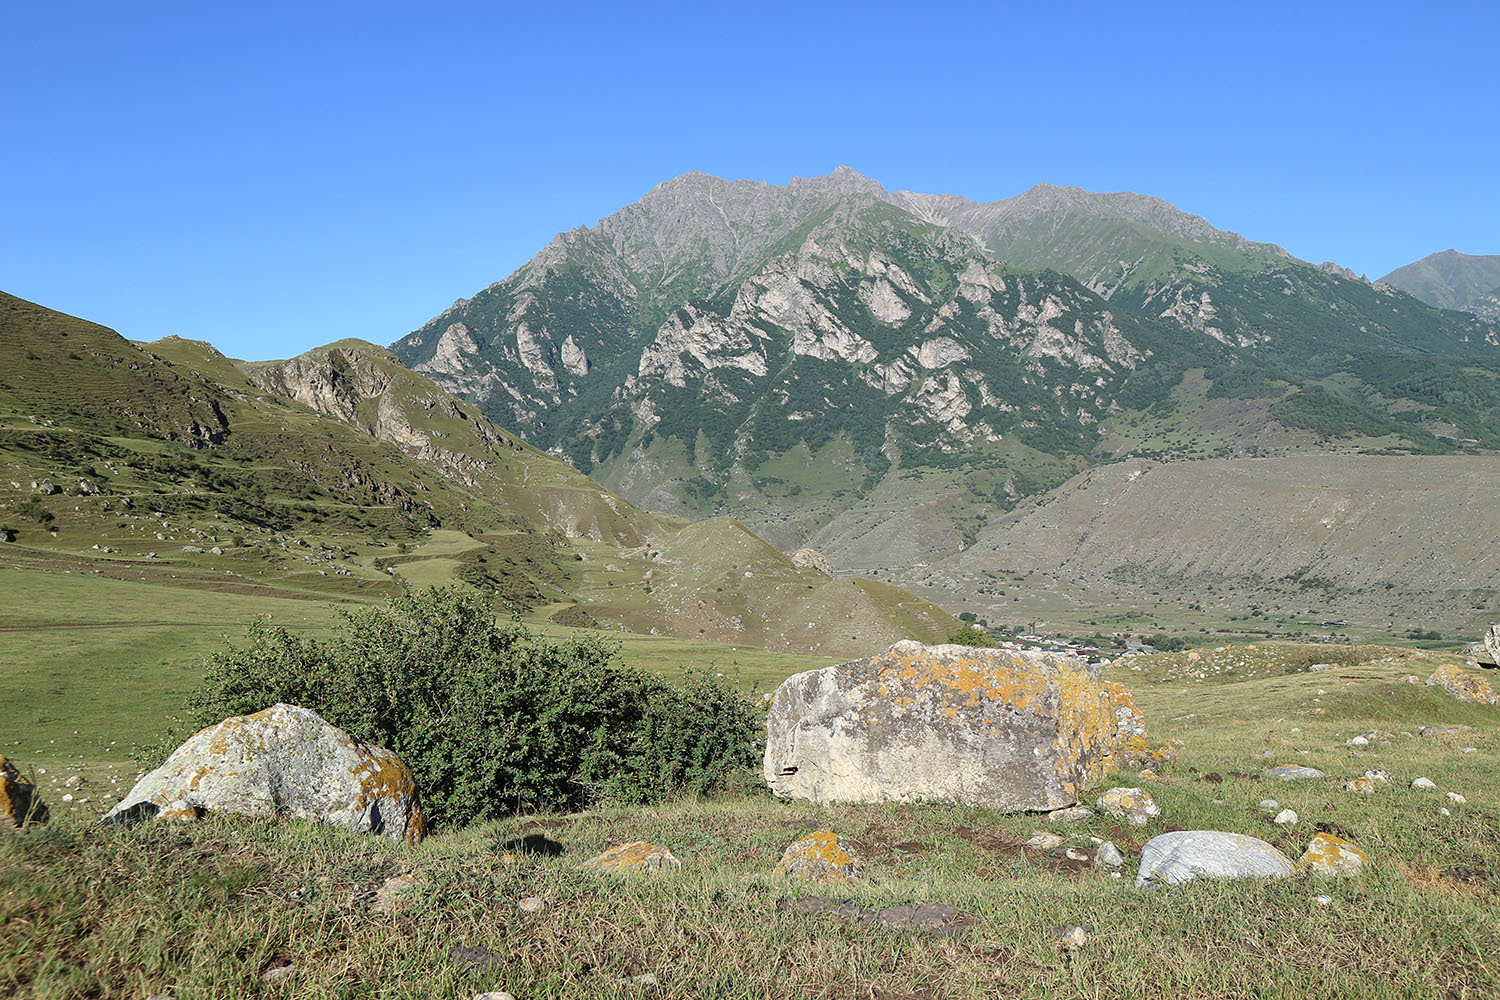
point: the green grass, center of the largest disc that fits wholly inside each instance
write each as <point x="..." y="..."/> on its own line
<point x="203" y="910"/>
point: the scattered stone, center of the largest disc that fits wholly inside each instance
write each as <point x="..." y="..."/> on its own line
<point x="638" y="855"/>
<point x="1364" y="786"/>
<point x="1424" y="784"/>
<point x="395" y="892"/>
<point x="532" y="904"/>
<point x="284" y="761"/>
<point x="1010" y="730"/>
<point x="1074" y="854"/>
<point x="1071" y="936"/>
<point x="1264" y="755"/>
<point x="930" y="918"/>
<point x="821" y="857"/>
<point x="1464" y="686"/>
<point x="494" y="995"/>
<point x="1285" y="818"/>
<point x="280" y="972"/>
<point x="474" y="957"/>
<point x="68" y="797"/>
<point x="1444" y="811"/>
<point x="644" y="979"/>
<point x="1446" y="729"/>
<point x="1293" y="772"/>
<point x="1323" y="900"/>
<point x="75" y="781"/>
<point x="1332" y="855"/>
<point x="1108" y="855"/>
<point x="1270" y="805"/>
<point x="1319" y="667"/>
<point x="1410" y="679"/>
<point x="1359" y="741"/>
<point x="1381" y="776"/>
<point x="1469" y="750"/>
<point x="1456" y="798"/>
<point x="20" y="804"/>
<point x="1072" y="814"/>
<point x="1044" y="841"/>
<point x="1173" y="858"/>
<point x="1132" y="804"/>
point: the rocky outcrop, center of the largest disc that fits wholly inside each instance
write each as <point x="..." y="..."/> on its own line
<point x="821" y="857"/>
<point x="812" y="559"/>
<point x="284" y="761"/>
<point x="991" y="727"/>
<point x="1492" y="644"/>
<point x="1174" y="858"/>
<point x="1464" y="686"/>
<point x="20" y="804"/>
<point x="638" y="855"/>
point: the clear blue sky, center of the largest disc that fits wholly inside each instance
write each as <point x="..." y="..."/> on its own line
<point x="273" y="176"/>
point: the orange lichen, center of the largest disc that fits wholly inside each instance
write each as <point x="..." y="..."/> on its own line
<point x="18" y="799"/>
<point x="1464" y="686"/>
<point x="820" y="857"/>
<point x="1332" y="855"/>
<point x="638" y="855"/>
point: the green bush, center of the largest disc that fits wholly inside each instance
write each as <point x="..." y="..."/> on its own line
<point x="971" y="635"/>
<point x="492" y="718"/>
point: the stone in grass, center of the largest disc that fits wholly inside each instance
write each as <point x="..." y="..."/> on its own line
<point x="1456" y="798"/>
<point x="1424" y="784"/>
<point x="1332" y="855"/>
<point x="1042" y="840"/>
<point x="1381" y="776"/>
<point x="494" y="995"/>
<point x="1072" y="814"/>
<point x="822" y="858"/>
<point x="19" y="802"/>
<point x="531" y="904"/>
<point x="638" y="855"/>
<point x="1070" y="935"/>
<point x="1174" y="858"/>
<point x="1364" y="786"/>
<point x="1285" y="818"/>
<point x="284" y="761"/>
<point x="1270" y="805"/>
<point x="1107" y="855"/>
<point x="396" y="892"/>
<point x="1133" y="804"/>
<point x="1446" y="729"/>
<point x="1464" y="686"/>
<point x="1293" y="772"/>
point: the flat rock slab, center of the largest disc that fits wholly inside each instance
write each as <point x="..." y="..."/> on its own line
<point x="1015" y="731"/>
<point x="284" y="761"/>
<point x="638" y="855"/>
<point x="929" y="918"/>
<point x="1174" y="858"/>
<point x="1332" y="855"/>
<point x="1293" y="772"/>
<point x="1464" y="686"/>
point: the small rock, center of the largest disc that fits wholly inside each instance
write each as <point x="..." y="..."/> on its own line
<point x="1383" y="777"/>
<point x="395" y="892"/>
<point x="1071" y="936"/>
<point x="1359" y="741"/>
<point x="75" y="781"/>
<point x="1332" y="855"/>
<point x="1285" y="818"/>
<point x="1133" y="804"/>
<point x="1445" y="729"/>
<point x="1074" y="854"/>
<point x="280" y="972"/>
<point x="1270" y="805"/>
<point x="1364" y="786"/>
<point x="1293" y="772"/>
<point x="1042" y="840"/>
<point x="68" y="797"/>
<point x="1072" y="814"/>
<point x="1444" y="811"/>
<point x="1323" y="900"/>
<point x="1424" y="784"/>
<point x="638" y="855"/>
<point x="494" y="995"/>
<point x="532" y="904"/>
<point x="1469" y="750"/>
<point x="821" y="857"/>
<point x="644" y="979"/>
<point x="1108" y="855"/>
<point x="1456" y="798"/>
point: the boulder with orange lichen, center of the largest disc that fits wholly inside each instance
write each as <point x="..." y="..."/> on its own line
<point x="638" y="855"/>
<point x="284" y="761"/>
<point x="1464" y="686"/>
<point x="1012" y="730"/>
<point x="20" y="805"/>
<point x="1332" y="855"/>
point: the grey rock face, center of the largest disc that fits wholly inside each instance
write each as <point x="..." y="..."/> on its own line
<point x="1174" y="858"/>
<point x="1293" y="772"/>
<point x="1492" y="643"/>
<point x="1007" y="730"/>
<point x="284" y="761"/>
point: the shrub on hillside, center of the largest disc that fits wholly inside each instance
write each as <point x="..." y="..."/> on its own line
<point x="971" y="635"/>
<point x="492" y="718"/>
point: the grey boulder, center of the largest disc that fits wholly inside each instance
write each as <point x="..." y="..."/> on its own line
<point x="1174" y="858"/>
<point x="284" y="761"/>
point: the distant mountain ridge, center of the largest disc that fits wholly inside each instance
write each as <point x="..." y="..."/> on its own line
<point x="1452" y="280"/>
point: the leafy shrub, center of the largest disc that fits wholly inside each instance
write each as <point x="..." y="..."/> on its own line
<point x="36" y="511"/>
<point x="492" y="718"/>
<point x="971" y="635"/>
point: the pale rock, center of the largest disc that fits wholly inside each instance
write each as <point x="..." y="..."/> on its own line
<point x="1285" y="818"/>
<point x="1456" y="798"/>
<point x="284" y="761"/>
<point x="1332" y="855"/>
<point x="1132" y="804"/>
<point x="1044" y="841"/>
<point x="1424" y="784"/>
<point x="821" y="857"/>
<point x="1018" y="731"/>
<point x="638" y="855"/>
<point x="1173" y="858"/>
<point x="1072" y="814"/>
<point x="1108" y="855"/>
<point x="1270" y="805"/>
<point x="1293" y="772"/>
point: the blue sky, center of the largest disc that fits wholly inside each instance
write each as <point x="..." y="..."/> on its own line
<point x="271" y="177"/>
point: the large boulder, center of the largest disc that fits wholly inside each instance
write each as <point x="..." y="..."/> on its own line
<point x="1492" y="644"/>
<point x="284" y="761"/>
<point x="991" y="727"/>
<point x="19" y="802"/>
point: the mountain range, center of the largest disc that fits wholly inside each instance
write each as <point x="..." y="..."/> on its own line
<point x="1453" y="280"/>
<point x="888" y="375"/>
